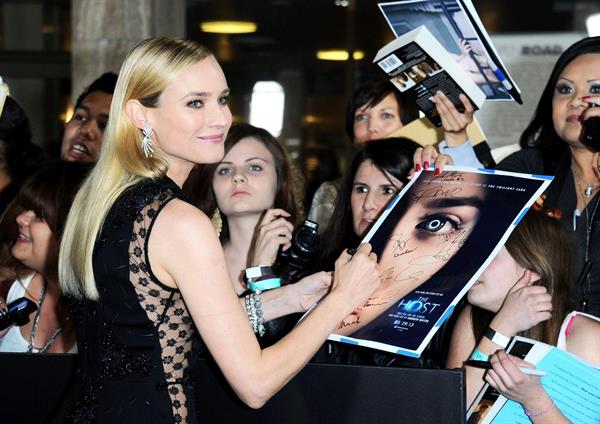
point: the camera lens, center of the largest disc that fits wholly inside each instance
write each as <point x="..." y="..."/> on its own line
<point x="307" y="240"/>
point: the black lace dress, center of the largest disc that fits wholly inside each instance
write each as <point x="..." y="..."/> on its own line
<point x="136" y="343"/>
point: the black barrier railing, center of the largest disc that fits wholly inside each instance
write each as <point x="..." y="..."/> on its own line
<point x="34" y="385"/>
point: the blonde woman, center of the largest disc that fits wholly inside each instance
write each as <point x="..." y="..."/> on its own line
<point x="143" y="265"/>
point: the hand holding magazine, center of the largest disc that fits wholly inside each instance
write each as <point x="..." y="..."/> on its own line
<point x="418" y="65"/>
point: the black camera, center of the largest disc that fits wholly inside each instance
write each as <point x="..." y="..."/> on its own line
<point x="297" y="262"/>
<point x="293" y="265"/>
<point x="17" y="312"/>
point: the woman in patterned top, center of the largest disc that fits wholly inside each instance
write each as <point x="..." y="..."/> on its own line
<point x="134" y="249"/>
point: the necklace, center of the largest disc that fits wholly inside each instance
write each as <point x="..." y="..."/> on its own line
<point x="589" y="219"/>
<point x="584" y="194"/>
<point x="588" y="191"/>
<point x="589" y="188"/>
<point x="30" y="347"/>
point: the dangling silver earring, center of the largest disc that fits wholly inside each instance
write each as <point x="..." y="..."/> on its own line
<point x="147" y="140"/>
<point x="217" y="221"/>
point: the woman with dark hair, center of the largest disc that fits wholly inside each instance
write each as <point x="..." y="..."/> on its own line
<point x="283" y="195"/>
<point x="31" y="269"/>
<point x="377" y="173"/>
<point x="551" y="145"/>
<point x="524" y="291"/>
<point x="377" y="110"/>
<point x="250" y="196"/>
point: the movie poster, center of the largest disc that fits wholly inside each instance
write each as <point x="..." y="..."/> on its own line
<point x="432" y="242"/>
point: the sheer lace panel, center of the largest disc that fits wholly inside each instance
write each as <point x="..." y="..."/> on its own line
<point x="165" y="308"/>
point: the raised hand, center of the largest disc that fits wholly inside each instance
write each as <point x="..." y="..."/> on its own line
<point x="429" y="158"/>
<point x="594" y="109"/>
<point x="454" y="122"/>
<point x="525" y="306"/>
<point x="274" y="231"/>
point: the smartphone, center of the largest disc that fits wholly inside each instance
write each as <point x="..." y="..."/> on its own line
<point x="590" y="132"/>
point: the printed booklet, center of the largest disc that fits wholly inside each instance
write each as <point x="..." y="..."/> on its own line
<point x="458" y="28"/>
<point x="432" y="243"/>
<point x="418" y="65"/>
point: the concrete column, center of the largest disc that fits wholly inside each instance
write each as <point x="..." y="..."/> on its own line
<point x="105" y="30"/>
<point x="292" y="82"/>
<point x="30" y="93"/>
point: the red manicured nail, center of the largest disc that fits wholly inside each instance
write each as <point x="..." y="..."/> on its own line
<point x="436" y="172"/>
<point x="426" y="165"/>
<point x="418" y="167"/>
<point x="586" y="98"/>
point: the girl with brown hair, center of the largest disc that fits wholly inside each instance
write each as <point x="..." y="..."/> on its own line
<point x="526" y="290"/>
<point x="250" y="195"/>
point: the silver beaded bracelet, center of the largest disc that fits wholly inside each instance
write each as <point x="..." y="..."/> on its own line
<point x="255" y="313"/>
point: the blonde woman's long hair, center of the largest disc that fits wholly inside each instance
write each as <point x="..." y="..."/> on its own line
<point x="146" y="72"/>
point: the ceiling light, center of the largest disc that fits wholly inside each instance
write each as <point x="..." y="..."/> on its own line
<point x="358" y="55"/>
<point x="311" y="119"/>
<point x="593" y="24"/>
<point x="332" y="55"/>
<point x="339" y="55"/>
<point x="228" y="27"/>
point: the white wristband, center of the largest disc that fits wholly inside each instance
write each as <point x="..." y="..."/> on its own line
<point x="257" y="271"/>
<point x="496" y="338"/>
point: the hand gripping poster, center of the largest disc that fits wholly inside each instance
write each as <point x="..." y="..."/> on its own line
<point x="432" y="242"/>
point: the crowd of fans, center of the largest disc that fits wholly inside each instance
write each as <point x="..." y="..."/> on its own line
<point x="548" y="268"/>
